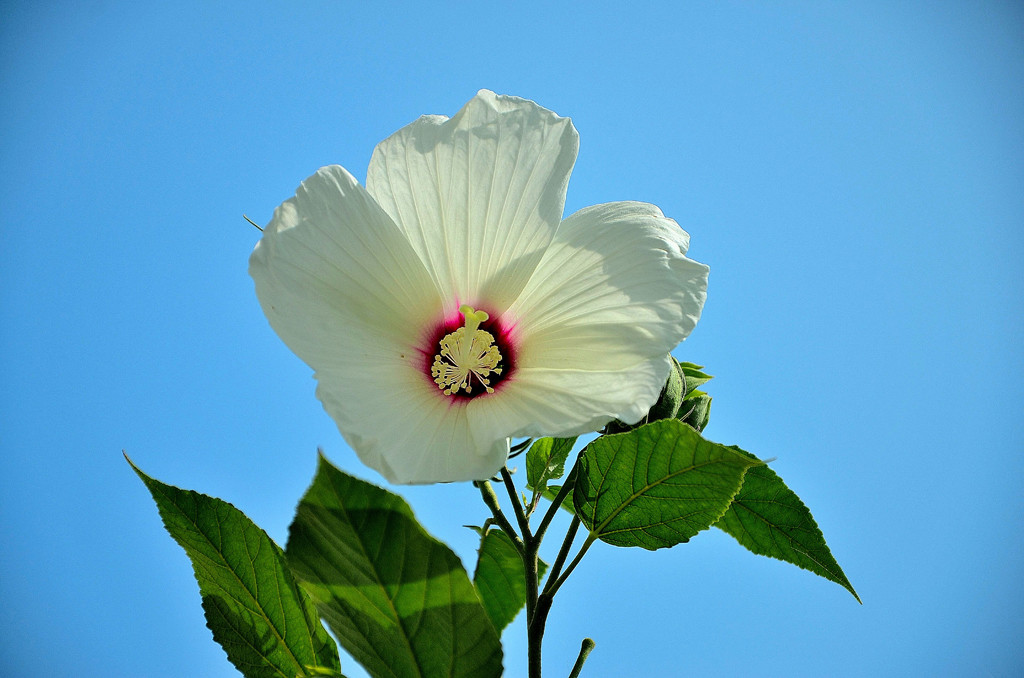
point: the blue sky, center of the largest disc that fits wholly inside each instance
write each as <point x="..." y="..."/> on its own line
<point x="853" y="173"/>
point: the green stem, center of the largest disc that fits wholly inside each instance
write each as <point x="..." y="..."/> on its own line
<point x="517" y="506"/>
<point x="491" y="499"/>
<point x="518" y="448"/>
<point x="538" y="604"/>
<point x="530" y="565"/>
<point x="552" y="587"/>
<point x="570" y="481"/>
<point x="585" y="648"/>
<point x="563" y="553"/>
<point x="535" y="634"/>
<point x="542" y="604"/>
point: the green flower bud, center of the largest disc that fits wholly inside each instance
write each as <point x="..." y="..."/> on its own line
<point x="667" y="405"/>
<point x="696" y="410"/>
<point x="671" y="395"/>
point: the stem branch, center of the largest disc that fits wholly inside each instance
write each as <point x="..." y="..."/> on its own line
<point x="563" y="553"/>
<point x="570" y="481"/>
<point x="552" y="587"/>
<point x="517" y="506"/>
<point x="538" y="603"/>
<point x="585" y="647"/>
<point x="491" y="499"/>
<point x="518" y="448"/>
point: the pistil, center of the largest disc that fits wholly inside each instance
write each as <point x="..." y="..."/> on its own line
<point x="466" y="354"/>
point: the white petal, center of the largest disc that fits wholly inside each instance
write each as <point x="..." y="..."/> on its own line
<point x="614" y="290"/>
<point x="332" y="262"/>
<point x="480" y="195"/>
<point x="400" y="424"/>
<point x="345" y="290"/>
<point x="546" y="402"/>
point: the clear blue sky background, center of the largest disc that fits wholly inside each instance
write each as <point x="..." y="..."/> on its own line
<point x="853" y="173"/>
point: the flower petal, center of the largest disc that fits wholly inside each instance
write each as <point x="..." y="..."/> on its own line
<point x="613" y="290"/>
<point x="560" y="403"/>
<point x="400" y="424"/>
<point x="480" y="195"/>
<point x="331" y="262"/>
<point x="344" y="289"/>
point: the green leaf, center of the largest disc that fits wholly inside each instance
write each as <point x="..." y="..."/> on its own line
<point x="258" y="613"/>
<point x="545" y="460"/>
<point x="398" y="600"/>
<point x="767" y="518"/>
<point x="656" y="486"/>
<point x="500" y="578"/>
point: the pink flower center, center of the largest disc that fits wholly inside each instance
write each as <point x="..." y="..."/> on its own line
<point x="472" y="359"/>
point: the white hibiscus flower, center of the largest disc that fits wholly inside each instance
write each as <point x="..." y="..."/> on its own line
<point x="448" y="307"/>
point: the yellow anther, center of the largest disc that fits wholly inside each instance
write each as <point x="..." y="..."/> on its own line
<point x="466" y="353"/>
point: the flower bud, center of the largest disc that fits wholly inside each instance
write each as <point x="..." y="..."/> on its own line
<point x="671" y="395"/>
<point x="696" y="410"/>
<point x="667" y="405"/>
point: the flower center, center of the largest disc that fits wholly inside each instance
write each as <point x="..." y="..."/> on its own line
<point x="466" y="354"/>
